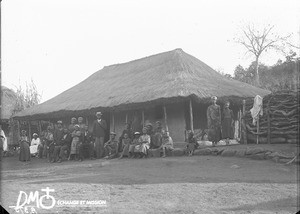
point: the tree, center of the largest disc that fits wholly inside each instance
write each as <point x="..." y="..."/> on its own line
<point x="27" y="97"/>
<point x="257" y="41"/>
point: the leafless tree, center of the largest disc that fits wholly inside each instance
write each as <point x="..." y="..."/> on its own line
<point x="257" y="41"/>
<point x="27" y="97"/>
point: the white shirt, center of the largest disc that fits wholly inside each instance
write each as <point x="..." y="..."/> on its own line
<point x="35" y="141"/>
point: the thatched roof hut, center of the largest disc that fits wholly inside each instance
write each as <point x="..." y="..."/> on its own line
<point x="165" y="87"/>
<point x="167" y="77"/>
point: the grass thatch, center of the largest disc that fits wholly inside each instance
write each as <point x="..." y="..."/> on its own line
<point x="8" y="101"/>
<point x="161" y="77"/>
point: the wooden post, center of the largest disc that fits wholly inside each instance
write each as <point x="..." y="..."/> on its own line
<point x="191" y="116"/>
<point x="39" y="127"/>
<point x="29" y="131"/>
<point x="244" y="129"/>
<point x="113" y="121"/>
<point x="269" y="123"/>
<point x="143" y="118"/>
<point x="126" y="118"/>
<point x="257" y="130"/>
<point x="240" y="124"/>
<point x="165" y="117"/>
<point x="18" y="130"/>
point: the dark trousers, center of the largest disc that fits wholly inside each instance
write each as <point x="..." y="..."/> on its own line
<point x="50" y="152"/>
<point x="86" y="147"/>
<point x="99" y="147"/>
<point x="56" y="152"/>
<point x="64" y="151"/>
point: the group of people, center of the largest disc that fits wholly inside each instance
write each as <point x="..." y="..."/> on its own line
<point x="72" y="142"/>
<point x="76" y="142"/>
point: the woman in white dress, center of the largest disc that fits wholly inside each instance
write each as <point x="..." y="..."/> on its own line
<point x="35" y="142"/>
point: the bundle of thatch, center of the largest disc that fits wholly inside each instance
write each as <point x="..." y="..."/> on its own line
<point x="280" y="120"/>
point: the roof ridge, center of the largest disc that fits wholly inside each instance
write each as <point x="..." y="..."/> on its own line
<point x="176" y="50"/>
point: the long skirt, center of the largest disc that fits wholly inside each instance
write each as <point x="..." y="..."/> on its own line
<point x="24" y="151"/>
<point x="142" y="148"/>
<point x="214" y="133"/>
<point x="226" y="128"/>
<point x="75" y="147"/>
<point x="33" y="149"/>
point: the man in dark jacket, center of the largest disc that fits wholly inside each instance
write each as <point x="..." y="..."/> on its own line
<point x="57" y="137"/>
<point x="99" y="129"/>
<point x="87" y="144"/>
<point x="65" y="145"/>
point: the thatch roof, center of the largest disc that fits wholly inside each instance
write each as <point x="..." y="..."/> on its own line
<point x="8" y="101"/>
<point x="165" y="77"/>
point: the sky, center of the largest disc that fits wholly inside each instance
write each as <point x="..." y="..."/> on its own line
<point x="59" y="43"/>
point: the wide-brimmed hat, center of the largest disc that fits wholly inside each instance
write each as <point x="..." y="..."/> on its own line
<point x="99" y="113"/>
<point x="35" y="134"/>
<point x="136" y="133"/>
<point x="23" y="131"/>
<point x="113" y="133"/>
<point x="59" y="122"/>
<point x="214" y="97"/>
<point x="76" y="125"/>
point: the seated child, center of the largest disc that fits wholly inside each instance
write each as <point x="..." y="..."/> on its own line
<point x="126" y="142"/>
<point x="167" y="143"/>
<point x="133" y="144"/>
<point x="111" y="146"/>
<point x="192" y="144"/>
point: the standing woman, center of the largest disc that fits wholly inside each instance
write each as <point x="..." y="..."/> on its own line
<point x="214" y="121"/>
<point x="227" y="122"/>
<point x="24" y="147"/>
<point x="76" y="141"/>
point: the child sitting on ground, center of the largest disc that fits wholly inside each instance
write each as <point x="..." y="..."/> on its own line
<point x="192" y="144"/>
<point x="126" y="141"/>
<point x="111" y="147"/>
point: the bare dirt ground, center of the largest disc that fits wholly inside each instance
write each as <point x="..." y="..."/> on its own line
<point x="198" y="184"/>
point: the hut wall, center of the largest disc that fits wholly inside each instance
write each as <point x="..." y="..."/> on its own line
<point x="176" y="121"/>
<point x="119" y="118"/>
<point x="199" y="115"/>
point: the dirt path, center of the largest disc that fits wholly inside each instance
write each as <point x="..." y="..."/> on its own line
<point x="202" y="184"/>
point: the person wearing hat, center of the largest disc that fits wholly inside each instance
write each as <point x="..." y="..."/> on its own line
<point x="144" y="144"/>
<point x="57" y="140"/>
<point x="99" y="129"/>
<point x="214" y="121"/>
<point x="35" y="143"/>
<point x="24" y="147"/>
<point x="87" y="144"/>
<point x="71" y="126"/>
<point x="134" y="143"/>
<point x="111" y="146"/>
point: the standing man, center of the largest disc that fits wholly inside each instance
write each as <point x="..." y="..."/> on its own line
<point x="99" y="129"/>
<point x="87" y="143"/>
<point x="57" y="139"/>
<point x="214" y="121"/>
